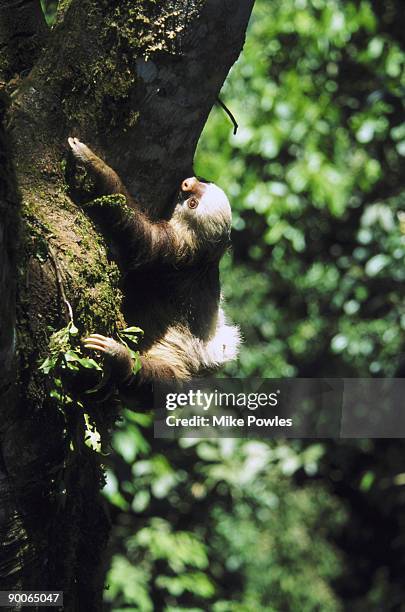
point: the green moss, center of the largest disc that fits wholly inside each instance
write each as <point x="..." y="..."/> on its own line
<point x="92" y="281"/>
<point x="131" y="30"/>
<point x="116" y="200"/>
<point x="56" y="233"/>
<point x="63" y="6"/>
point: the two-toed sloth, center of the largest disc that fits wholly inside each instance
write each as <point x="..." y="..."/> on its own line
<point x="171" y="282"/>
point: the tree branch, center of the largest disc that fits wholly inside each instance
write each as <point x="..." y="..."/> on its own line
<point x="23" y="31"/>
<point x="150" y="72"/>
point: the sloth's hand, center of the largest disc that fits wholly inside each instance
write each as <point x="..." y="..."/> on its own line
<point x="117" y="359"/>
<point x="80" y="150"/>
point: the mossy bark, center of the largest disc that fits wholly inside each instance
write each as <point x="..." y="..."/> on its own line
<point x="136" y="81"/>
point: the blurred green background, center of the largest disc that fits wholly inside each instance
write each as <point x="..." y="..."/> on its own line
<point x="315" y="280"/>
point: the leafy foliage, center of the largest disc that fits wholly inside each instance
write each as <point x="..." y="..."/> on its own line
<point x="66" y="358"/>
<point x="66" y="365"/>
<point x="315" y="178"/>
<point x="236" y="535"/>
<point x="316" y="275"/>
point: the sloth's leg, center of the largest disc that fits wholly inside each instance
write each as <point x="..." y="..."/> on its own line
<point x="108" y="181"/>
<point x="177" y="356"/>
<point x="154" y="369"/>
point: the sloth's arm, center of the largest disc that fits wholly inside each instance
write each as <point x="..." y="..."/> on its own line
<point x="140" y="239"/>
<point x="118" y="366"/>
<point x="107" y="180"/>
<point x="117" y="358"/>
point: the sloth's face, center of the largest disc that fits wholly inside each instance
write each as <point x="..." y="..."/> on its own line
<point x="204" y="206"/>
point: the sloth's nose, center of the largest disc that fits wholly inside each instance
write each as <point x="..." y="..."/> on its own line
<point x="189" y="184"/>
<point x="193" y="185"/>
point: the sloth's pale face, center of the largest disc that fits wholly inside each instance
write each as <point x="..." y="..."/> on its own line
<point x="204" y="204"/>
<point x="214" y="202"/>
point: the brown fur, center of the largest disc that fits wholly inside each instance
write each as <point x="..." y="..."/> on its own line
<point x="171" y="283"/>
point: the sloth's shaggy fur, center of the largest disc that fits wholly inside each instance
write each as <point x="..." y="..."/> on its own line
<point x="171" y="286"/>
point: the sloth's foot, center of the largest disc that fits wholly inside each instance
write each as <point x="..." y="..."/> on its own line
<point x="118" y="361"/>
<point x="80" y="150"/>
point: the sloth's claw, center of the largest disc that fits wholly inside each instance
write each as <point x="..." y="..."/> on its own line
<point x="103" y="344"/>
<point x="96" y="347"/>
<point x="118" y="358"/>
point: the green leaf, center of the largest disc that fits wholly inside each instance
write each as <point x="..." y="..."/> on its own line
<point x="376" y="264"/>
<point x="132" y="330"/>
<point x="92" y="437"/>
<point x="73" y="331"/>
<point x="70" y="355"/>
<point x="367" y="481"/>
<point x="89" y="363"/>
<point x="48" y="364"/>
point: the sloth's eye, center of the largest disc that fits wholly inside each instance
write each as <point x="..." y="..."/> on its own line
<point x="192" y="203"/>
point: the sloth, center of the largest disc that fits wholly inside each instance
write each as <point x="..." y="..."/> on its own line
<point x="171" y="281"/>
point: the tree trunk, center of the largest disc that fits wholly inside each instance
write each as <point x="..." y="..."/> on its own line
<point x="135" y="80"/>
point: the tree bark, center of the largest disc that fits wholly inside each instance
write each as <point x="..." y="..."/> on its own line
<point x="135" y="81"/>
<point x="23" y="32"/>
